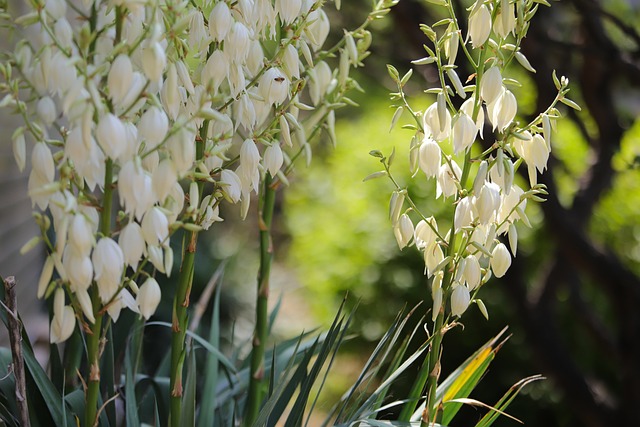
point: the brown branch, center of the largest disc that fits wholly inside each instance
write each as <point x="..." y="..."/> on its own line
<point x="15" y="337"/>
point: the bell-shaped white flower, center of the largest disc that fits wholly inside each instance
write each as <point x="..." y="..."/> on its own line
<point x="237" y="43"/>
<point x="460" y="299"/>
<point x="448" y="178"/>
<point x="249" y="154"/>
<point x="467" y="107"/>
<point x="505" y="21"/>
<point x="255" y="60"/>
<point x="78" y="268"/>
<point x="111" y="136"/>
<point x="45" y="276"/>
<point x="464" y="133"/>
<point x="487" y="202"/>
<point x="154" y="60"/>
<point x="424" y="234"/>
<point x="46" y="110"/>
<point x="479" y="26"/>
<point x="124" y="299"/>
<point x="85" y="304"/>
<point x="163" y="179"/>
<point x="439" y="128"/>
<point x="430" y="157"/>
<point x="500" y="260"/>
<point x="148" y="298"/>
<point x="274" y="86"/>
<point x="538" y="153"/>
<point x="433" y="256"/>
<point x="108" y="266"/>
<point x="170" y="94"/>
<point x="215" y="71"/>
<point x="320" y="81"/>
<point x="64" y="320"/>
<point x="156" y="257"/>
<point x="463" y="215"/>
<point x="291" y="62"/>
<point x="80" y="235"/>
<point x="155" y="227"/>
<point x="503" y="110"/>
<point x="403" y="230"/>
<point x="472" y="273"/>
<point x="153" y="127"/>
<point x="132" y="244"/>
<point x="120" y="78"/>
<point x="182" y="147"/>
<point x="318" y="29"/>
<point x="42" y="162"/>
<point x="273" y="158"/>
<point x="220" y="21"/>
<point x="491" y="84"/>
<point x="288" y="10"/>
<point x="135" y="188"/>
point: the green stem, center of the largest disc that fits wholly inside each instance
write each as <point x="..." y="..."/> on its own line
<point x="254" y="398"/>
<point x="93" y="339"/>
<point x="179" y="321"/>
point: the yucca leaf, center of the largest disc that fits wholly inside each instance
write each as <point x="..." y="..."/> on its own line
<point x="188" y="413"/>
<point x="207" y="408"/>
<point x="506" y="400"/>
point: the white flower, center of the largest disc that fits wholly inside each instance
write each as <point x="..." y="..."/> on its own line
<point x="460" y="299"/>
<point x="430" y="157"/>
<point x="424" y="234"/>
<point x="237" y="43"/>
<point x="45" y="276"/>
<point x="42" y="162"/>
<point x="503" y="110"/>
<point x="472" y="273"/>
<point x="111" y="136"/>
<point x="19" y="147"/>
<point x="78" y="268"/>
<point x="85" y="304"/>
<point x="487" y="202"/>
<point x="433" y="256"/>
<point x="153" y="127"/>
<point x="64" y="320"/>
<point x="135" y="188"/>
<point x="215" y="70"/>
<point x="122" y="300"/>
<point x="198" y="37"/>
<point x="46" y="110"/>
<point x="108" y="265"/>
<point x="288" y="10"/>
<point x="318" y="29"/>
<point x="403" y="230"/>
<point x="464" y="133"/>
<point x="500" y="260"/>
<point x="131" y="243"/>
<point x="439" y="129"/>
<point x="182" y="146"/>
<point x="505" y="21"/>
<point x="479" y="26"/>
<point x="447" y="179"/>
<point x="155" y="227"/>
<point x="81" y="235"/>
<point x="148" y="298"/>
<point x="255" y="61"/>
<point x="220" y="21"/>
<point x="467" y="107"/>
<point x="164" y="177"/>
<point x="320" y="80"/>
<point x="120" y="78"/>
<point x="274" y="86"/>
<point x="463" y="215"/>
<point x="491" y="84"/>
<point x="154" y="60"/>
<point x="273" y="158"/>
<point x="291" y="62"/>
<point x="170" y="94"/>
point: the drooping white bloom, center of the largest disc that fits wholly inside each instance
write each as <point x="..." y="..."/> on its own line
<point x="432" y="120"/>
<point x="447" y="179"/>
<point x="505" y="21"/>
<point x="274" y="86"/>
<point x="288" y="10"/>
<point x="170" y="94"/>
<point x="154" y="60"/>
<point x="42" y="162"/>
<point x="108" y="266"/>
<point x="318" y="29"/>
<point x="503" y="110"/>
<point x="122" y="300"/>
<point x="46" y="110"/>
<point x="64" y="320"/>
<point x="430" y="157"/>
<point x="111" y="136"/>
<point x="148" y="298"/>
<point x="433" y="256"/>
<point x="255" y="60"/>
<point x="85" y="304"/>
<point x="19" y="147"/>
<point x="45" y="276"/>
<point x="120" y="78"/>
<point x="491" y="84"/>
<point x="464" y="214"/>
<point x="424" y="234"/>
<point x="80" y="235"/>
<point x="135" y="188"/>
<point x="182" y="146"/>
<point x="479" y="26"/>
<point x="164" y="177"/>
<point x="155" y="227"/>
<point x="467" y="107"/>
<point x="153" y="127"/>
<point x="403" y="230"/>
<point x="472" y="273"/>
<point x="500" y="260"/>
<point x="273" y="158"/>
<point x="215" y="70"/>
<point x="78" y="268"/>
<point x="291" y="62"/>
<point x="464" y="133"/>
<point x="249" y="154"/>
<point x="320" y="79"/>
<point x="460" y="299"/>
<point x="220" y="21"/>
<point x="487" y="202"/>
<point x="131" y="243"/>
<point x="155" y="255"/>
<point x="198" y="36"/>
<point x="237" y="43"/>
<point x="56" y="8"/>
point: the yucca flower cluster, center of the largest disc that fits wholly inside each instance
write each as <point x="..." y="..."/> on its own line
<point x="149" y="100"/>
<point x="472" y="143"/>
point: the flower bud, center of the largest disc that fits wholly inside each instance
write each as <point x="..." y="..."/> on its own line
<point x="437" y="295"/>
<point x="163" y="179"/>
<point x="460" y="299"/>
<point x="45" y="276"/>
<point x="404" y="231"/>
<point x="148" y="298"/>
<point x="430" y="157"/>
<point x="64" y="320"/>
<point x="500" y="260"/>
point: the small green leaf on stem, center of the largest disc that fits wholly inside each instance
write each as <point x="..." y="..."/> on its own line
<point x="375" y="175"/>
<point x="570" y="103"/>
<point x="393" y="72"/>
